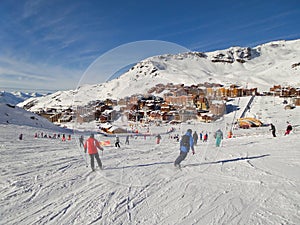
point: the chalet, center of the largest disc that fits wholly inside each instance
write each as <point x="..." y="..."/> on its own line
<point x="167" y="116"/>
<point x="84" y="118"/>
<point x="65" y="118"/>
<point x="54" y="118"/>
<point x="184" y="100"/>
<point x="155" y="115"/>
<point x="296" y="101"/>
<point x="187" y="115"/>
<point x="217" y="108"/>
<point x="205" y="117"/>
<point x="116" y="130"/>
<point x="201" y="103"/>
<point x="165" y="107"/>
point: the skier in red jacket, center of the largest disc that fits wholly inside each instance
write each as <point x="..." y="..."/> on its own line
<point x="91" y="146"/>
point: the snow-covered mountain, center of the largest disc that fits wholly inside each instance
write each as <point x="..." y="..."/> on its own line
<point x="262" y="67"/>
<point x="16" y="97"/>
<point x="10" y="114"/>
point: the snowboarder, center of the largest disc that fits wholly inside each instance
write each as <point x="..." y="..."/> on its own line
<point x="273" y="129"/>
<point x="158" y="138"/>
<point x="117" y="143"/>
<point x="186" y="144"/>
<point x="91" y="146"/>
<point x="218" y="136"/>
<point x="195" y="138"/>
<point x="288" y="129"/>
<point x="81" y="141"/>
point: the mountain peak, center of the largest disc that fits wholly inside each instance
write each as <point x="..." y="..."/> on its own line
<point x="260" y="67"/>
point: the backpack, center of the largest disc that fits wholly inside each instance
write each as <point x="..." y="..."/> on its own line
<point x="185" y="141"/>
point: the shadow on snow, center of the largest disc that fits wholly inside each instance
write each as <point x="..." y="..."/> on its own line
<point x="230" y="160"/>
<point x="195" y="164"/>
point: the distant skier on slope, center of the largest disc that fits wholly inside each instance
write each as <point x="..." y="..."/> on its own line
<point x="186" y="144"/>
<point x="273" y="129"/>
<point x="288" y="129"/>
<point x="158" y="138"/>
<point x="201" y="136"/>
<point x="205" y="137"/>
<point x="81" y="141"/>
<point x="91" y="145"/>
<point x="218" y="136"/>
<point x="127" y="140"/>
<point x="195" y="138"/>
<point x="117" y="143"/>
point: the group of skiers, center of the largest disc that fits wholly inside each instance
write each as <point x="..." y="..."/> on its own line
<point x="202" y="137"/>
<point x="187" y="143"/>
<point x="54" y="136"/>
<point x="288" y="130"/>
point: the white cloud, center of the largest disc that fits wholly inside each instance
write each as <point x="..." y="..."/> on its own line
<point x="25" y="74"/>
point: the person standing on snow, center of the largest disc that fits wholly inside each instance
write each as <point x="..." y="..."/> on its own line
<point x="81" y="141"/>
<point x="288" y="129"/>
<point x="218" y="136"/>
<point x="127" y="140"/>
<point x="205" y="137"/>
<point x="186" y="144"/>
<point x="117" y="143"/>
<point x="158" y="138"/>
<point x="195" y="138"/>
<point x="91" y="146"/>
<point x="273" y="129"/>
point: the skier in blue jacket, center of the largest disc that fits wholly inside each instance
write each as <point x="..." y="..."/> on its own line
<point x="218" y="136"/>
<point x="186" y="144"/>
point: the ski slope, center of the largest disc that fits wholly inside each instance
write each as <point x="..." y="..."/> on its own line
<point x="252" y="179"/>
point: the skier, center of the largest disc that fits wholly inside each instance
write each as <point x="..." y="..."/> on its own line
<point x="205" y="137"/>
<point x="201" y="136"/>
<point x="117" y="143"/>
<point x="91" y="145"/>
<point x="127" y="140"/>
<point x="20" y="137"/>
<point x="288" y="129"/>
<point x="195" y="137"/>
<point x="273" y="129"/>
<point x="81" y="141"/>
<point x="218" y="136"/>
<point x="63" y="137"/>
<point x="158" y="138"/>
<point x="186" y="143"/>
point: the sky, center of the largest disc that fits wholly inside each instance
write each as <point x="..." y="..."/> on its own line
<point x="50" y="45"/>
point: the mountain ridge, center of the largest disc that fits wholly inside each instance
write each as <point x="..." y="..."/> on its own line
<point x="262" y="66"/>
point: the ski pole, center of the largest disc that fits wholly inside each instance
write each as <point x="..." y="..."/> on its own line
<point x="85" y="160"/>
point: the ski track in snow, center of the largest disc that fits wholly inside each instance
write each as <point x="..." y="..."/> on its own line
<point x="249" y="180"/>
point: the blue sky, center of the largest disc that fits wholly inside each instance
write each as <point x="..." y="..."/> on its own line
<point x="49" y="44"/>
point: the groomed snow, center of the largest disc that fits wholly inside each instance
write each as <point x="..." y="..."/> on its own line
<point x="252" y="179"/>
